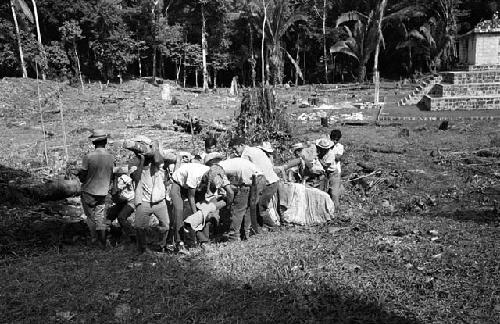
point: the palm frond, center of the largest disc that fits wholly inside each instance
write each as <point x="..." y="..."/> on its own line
<point x="415" y="34"/>
<point x="351" y="16"/>
<point x="290" y="21"/>
<point x="406" y="13"/>
<point x="295" y="64"/>
<point x="344" y="50"/>
<point x="411" y="43"/>
<point x="25" y="9"/>
<point x="426" y="32"/>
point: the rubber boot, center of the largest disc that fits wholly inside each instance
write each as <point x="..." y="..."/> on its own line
<point x="163" y="240"/>
<point x="141" y="241"/>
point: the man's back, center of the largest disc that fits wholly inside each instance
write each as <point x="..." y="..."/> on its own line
<point x="239" y="170"/>
<point x="99" y="167"/>
<point x="262" y="161"/>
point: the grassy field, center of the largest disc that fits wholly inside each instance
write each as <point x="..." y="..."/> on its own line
<point x="417" y="240"/>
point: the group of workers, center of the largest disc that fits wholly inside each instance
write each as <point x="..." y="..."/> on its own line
<point x="244" y="184"/>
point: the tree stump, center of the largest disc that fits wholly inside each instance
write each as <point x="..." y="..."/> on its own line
<point x="260" y="119"/>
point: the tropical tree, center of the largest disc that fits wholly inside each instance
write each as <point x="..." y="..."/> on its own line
<point x="445" y="29"/>
<point x="322" y="14"/>
<point x="417" y="42"/>
<point x="280" y="16"/>
<point x="27" y="12"/>
<point x="70" y="34"/>
<point x="173" y="45"/>
<point x="111" y="42"/>
<point x="366" y="32"/>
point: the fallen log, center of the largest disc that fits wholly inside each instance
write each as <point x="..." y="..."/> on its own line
<point x="386" y="150"/>
<point x="186" y="125"/>
<point x="51" y="190"/>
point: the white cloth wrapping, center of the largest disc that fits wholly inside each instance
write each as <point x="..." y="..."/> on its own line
<point x="304" y="205"/>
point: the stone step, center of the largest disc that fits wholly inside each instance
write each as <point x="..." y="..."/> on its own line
<point x="437" y="118"/>
<point x="461" y="102"/>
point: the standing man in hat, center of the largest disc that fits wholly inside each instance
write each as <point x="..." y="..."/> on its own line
<point x="267" y="185"/>
<point x="96" y="175"/>
<point x="329" y="154"/>
<point x="150" y="199"/>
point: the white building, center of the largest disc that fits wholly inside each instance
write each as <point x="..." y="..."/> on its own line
<point x="481" y="45"/>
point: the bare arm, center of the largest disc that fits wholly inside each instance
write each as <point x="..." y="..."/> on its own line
<point x="291" y="164"/>
<point x="177" y="162"/>
<point x="229" y="194"/>
<point x="191" y="200"/>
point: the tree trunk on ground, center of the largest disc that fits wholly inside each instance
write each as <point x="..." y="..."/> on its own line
<point x="325" y="57"/>
<point x="376" y="74"/>
<point x="52" y="190"/>
<point x="39" y="38"/>
<point x="263" y="42"/>
<point x="204" y="49"/>
<point x="19" y="43"/>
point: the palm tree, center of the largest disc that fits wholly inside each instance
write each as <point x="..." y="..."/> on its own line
<point x="360" y="42"/>
<point x="366" y="34"/>
<point x="27" y="13"/>
<point x="419" y="39"/>
<point x="445" y="30"/>
<point x="280" y="17"/>
<point x="19" y="43"/>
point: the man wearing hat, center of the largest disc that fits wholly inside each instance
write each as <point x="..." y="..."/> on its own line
<point x="267" y="148"/>
<point x="96" y="175"/>
<point x="186" y="179"/>
<point x="267" y="185"/>
<point x="329" y="153"/>
<point x="241" y="174"/>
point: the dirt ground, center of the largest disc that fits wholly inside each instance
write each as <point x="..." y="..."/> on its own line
<point x="416" y="240"/>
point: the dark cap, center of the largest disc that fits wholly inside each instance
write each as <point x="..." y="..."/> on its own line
<point x="235" y="141"/>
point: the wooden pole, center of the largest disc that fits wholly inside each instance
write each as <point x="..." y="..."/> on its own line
<point x="263" y="41"/>
<point x="41" y="115"/>
<point x="376" y="73"/>
<point x="63" y="129"/>
<point x="39" y="38"/>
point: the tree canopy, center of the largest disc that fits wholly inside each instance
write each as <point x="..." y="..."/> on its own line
<point x="308" y="40"/>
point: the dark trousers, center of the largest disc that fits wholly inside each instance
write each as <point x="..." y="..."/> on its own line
<point x="122" y="212"/>
<point x="240" y="212"/>
<point x="178" y="210"/>
<point x="265" y="194"/>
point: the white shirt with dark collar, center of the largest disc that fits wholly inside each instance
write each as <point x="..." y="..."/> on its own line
<point x="262" y="161"/>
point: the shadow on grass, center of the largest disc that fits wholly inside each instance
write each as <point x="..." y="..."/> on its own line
<point x="480" y="216"/>
<point x="222" y="286"/>
<point x="9" y="195"/>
